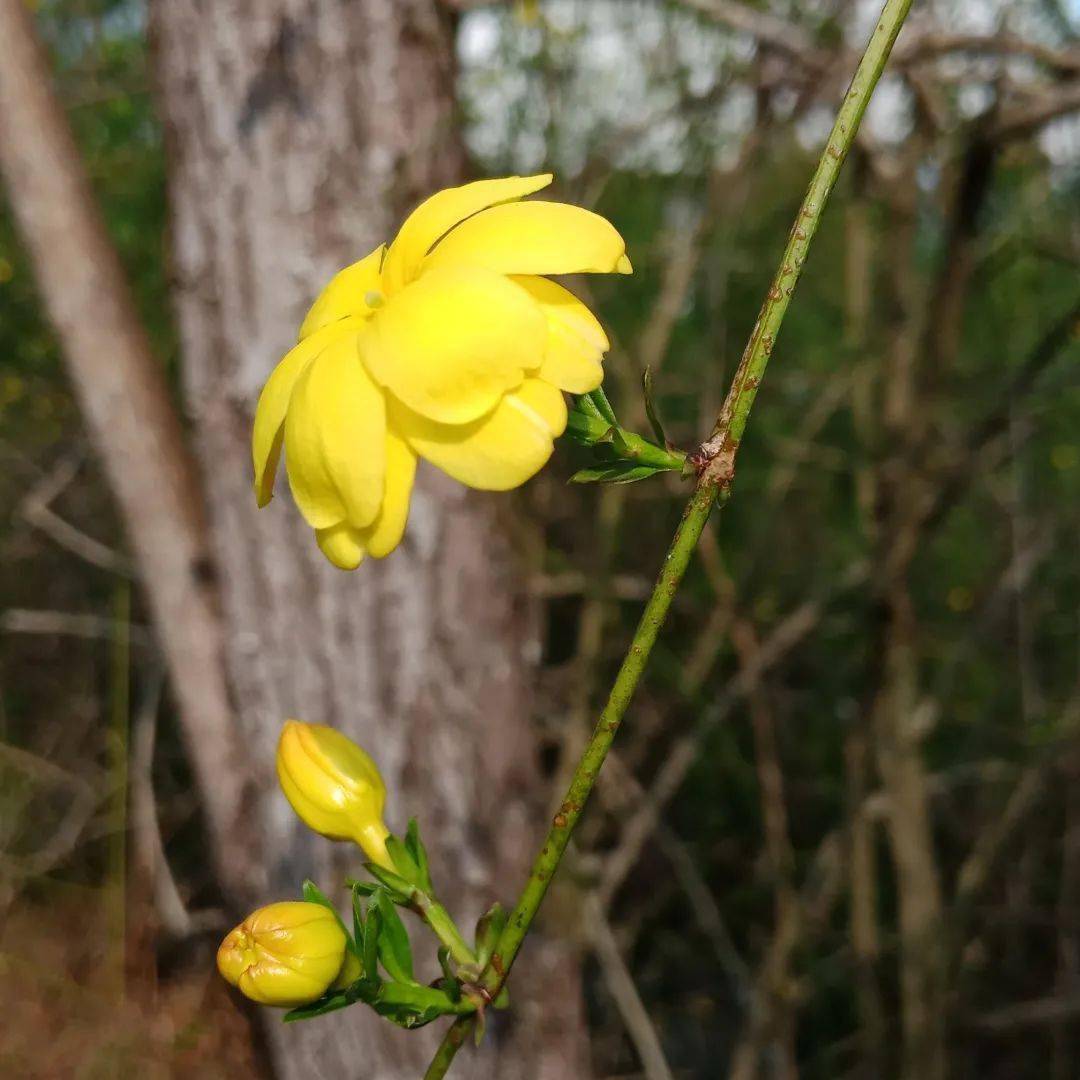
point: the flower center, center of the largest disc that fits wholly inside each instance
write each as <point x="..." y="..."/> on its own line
<point x="373" y="298"/>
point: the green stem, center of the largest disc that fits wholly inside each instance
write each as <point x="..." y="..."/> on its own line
<point x="716" y="462"/>
<point x="719" y="450"/>
<point x="392" y="993"/>
<point x="452" y="1042"/>
<point x="444" y="928"/>
<point x="581" y="784"/>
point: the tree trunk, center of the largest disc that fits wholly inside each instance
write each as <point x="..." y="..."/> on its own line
<point x="298" y="134"/>
<point x="124" y="397"/>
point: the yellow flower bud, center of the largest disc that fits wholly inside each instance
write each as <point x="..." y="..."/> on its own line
<point x="284" y="954"/>
<point x="333" y="786"/>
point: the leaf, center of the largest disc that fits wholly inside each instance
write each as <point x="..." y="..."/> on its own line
<point x="488" y="928"/>
<point x="406" y="1016"/>
<point x="586" y="405"/>
<point x="395" y="952"/>
<point x="372" y="933"/>
<point x="620" y="473"/>
<point x="419" y="854"/>
<point x="393" y="883"/>
<point x="314" y="895"/>
<point x="449" y="982"/>
<point x="326" y="1004"/>
<point x="599" y="399"/>
<point x="358" y="925"/>
<point x="403" y="861"/>
<point x="651" y="410"/>
<point x="585" y="428"/>
<point x="365" y="990"/>
<point x="413" y="1006"/>
<point x="364" y="888"/>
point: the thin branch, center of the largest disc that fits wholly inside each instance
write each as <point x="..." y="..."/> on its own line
<point x="67" y="624"/>
<point x="1022" y="121"/>
<point x="620" y="984"/>
<point x="36" y="508"/>
<point x="779" y="34"/>
<point x="680" y="758"/>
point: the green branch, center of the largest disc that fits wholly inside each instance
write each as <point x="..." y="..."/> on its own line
<point x="715" y="461"/>
<point x="717" y="454"/>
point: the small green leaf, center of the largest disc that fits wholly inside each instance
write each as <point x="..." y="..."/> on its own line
<point x="488" y="928"/>
<point x="372" y="933"/>
<point x="395" y="884"/>
<point x="364" y="888"/>
<point x="326" y="1004"/>
<point x="650" y="408"/>
<point x="395" y="952"/>
<point x="619" y="473"/>
<point x="585" y="427"/>
<point x="585" y="404"/>
<point x="405" y="1016"/>
<point x="358" y="925"/>
<point x="419" y="854"/>
<point x="599" y="399"/>
<point x="365" y="990"/>
<point x="314" y="895"/>
<point x="449" y="982"/>
<point x="403" y="860"/>
<point x="413" y="1006"/>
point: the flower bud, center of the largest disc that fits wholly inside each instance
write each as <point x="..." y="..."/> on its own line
<point x="284" y="954"/>
<point x="333" y="786"/>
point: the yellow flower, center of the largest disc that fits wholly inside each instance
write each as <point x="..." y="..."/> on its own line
<point x="333" y="786"/>
<point x="447" y="345"/>
<point x="285" y="954"/>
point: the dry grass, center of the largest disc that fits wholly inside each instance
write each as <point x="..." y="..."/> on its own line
<point x="69" y="1010"/>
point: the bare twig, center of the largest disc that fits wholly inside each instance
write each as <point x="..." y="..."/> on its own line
<point x="681" y="757"/>
<point x="36" y="508"/>
<point x="66" y="624"/>
<point x="620" y="984"/>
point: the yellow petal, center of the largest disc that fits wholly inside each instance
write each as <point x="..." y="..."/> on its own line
<point x="385" y="533"/>
<point x="267" y="432"/>
<point x="453" y="342"/>
<point x="346" y="294"/>
<point x="335" y="439"/>
<point x="440" y="213"/>
<point x="499" y="451"/>
<point x="576" y="341"/>
<point x="534" y="238"/>
<point x="346" y="546"/>
<point x="342" y="545"/>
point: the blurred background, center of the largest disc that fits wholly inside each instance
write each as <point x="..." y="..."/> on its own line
<point x="840" y="832"/>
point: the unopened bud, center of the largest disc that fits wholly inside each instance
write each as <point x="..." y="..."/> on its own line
<point x="333" y="786"/>
<point x="284" y="954"/>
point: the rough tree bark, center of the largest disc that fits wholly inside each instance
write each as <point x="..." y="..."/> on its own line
<point x="298" y="133"/>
